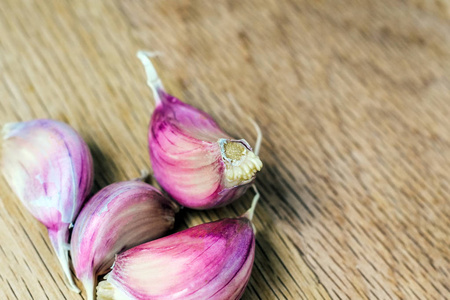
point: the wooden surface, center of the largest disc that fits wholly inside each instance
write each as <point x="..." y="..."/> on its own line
<point x="353" y="98"/>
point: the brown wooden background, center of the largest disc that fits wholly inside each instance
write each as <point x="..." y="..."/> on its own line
<point x="353" y="98"/>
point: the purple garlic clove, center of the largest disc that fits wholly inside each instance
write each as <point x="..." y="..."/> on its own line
<point x="208" y="261"/>
<point x="119" y="217"/>
<point x="49" y="167"/>
<point x="193" y="159"/>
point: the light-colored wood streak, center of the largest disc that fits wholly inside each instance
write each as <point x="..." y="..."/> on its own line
<point x="353" y="98"/>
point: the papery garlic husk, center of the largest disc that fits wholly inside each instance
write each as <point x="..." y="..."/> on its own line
<point x="193" y="159"/>
<point x="208" y="261"/>
<point x="119" y="217"/>
<point x="49" y="167"/>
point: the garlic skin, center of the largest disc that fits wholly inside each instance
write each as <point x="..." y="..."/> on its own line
<point x="208" y="261"/>
<point x="49" y="167"/>
<point x="119" y="217"/>
<point x="193" y="159"/>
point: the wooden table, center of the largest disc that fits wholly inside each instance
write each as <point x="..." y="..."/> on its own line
<point x="353" y="98"/>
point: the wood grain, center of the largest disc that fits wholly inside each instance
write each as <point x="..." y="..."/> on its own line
<point x="353" y="98"/>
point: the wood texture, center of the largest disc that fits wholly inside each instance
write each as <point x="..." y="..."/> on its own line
<point x="353" y="98"/>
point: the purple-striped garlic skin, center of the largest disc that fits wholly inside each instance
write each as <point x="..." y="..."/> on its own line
<point x="188" y="151"/>
<point x="119" y="217"/>
<point x="193" y="159"/>
<point x="208" y="261"/>
<point x="49" y="167"/>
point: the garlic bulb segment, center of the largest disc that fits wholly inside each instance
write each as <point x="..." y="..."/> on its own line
<point x="193" y="159"/>
<point x="119" y="217"/>
<point x="49" y="167"/>
<point x="208" y="261"/>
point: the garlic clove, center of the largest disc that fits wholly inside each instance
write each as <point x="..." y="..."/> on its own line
<point x="193" y="159"/>
<point x="208" y="261"/>
<point x="49" y="167"/>
<point x="119" y="217"/>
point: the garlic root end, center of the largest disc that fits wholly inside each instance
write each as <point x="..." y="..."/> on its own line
<point x="106" y="291"/>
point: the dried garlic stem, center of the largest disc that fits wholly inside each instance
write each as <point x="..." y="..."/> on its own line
<point x="59" y="241"/>
<point x="153" y="80"/>
<point x="89" y="287"/>
<point x="259" y="136"/>
<point x="250" y="212"/>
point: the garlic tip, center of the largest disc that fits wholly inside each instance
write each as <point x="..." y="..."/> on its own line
<point x="144" y="175"/>
<point x="6" y="130"/>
